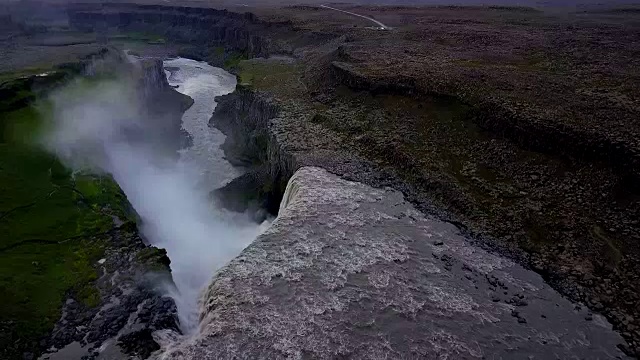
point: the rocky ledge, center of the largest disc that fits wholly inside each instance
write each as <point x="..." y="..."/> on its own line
<point x="130" y="310"/>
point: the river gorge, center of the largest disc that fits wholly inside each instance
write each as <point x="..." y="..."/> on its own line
<point x="343" y="263"/>
<point x="344" y="268"/>
<point x="199" y="183"/>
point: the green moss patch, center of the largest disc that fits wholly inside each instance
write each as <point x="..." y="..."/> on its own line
<point x="233" y="60"/>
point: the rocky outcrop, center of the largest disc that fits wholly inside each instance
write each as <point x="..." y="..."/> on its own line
<point x="243" y="116"/>
<point x="163" y="106"/>
<point x="130" y="308"/>
<point x="153" y="80"/>
<point x="346" y="270"/>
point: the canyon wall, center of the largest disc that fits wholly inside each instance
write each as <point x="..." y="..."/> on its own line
<point x="275" y="136"/>
<point x="244" y="116"/>
<point x="195" y="26"/>
<point x="163" y="106"/>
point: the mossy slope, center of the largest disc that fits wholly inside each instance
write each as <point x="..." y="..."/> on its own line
<point x="47" y="217"/>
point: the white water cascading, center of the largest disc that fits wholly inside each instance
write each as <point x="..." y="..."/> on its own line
<point x="102" y="127"/>
<point x="218" y="235"/>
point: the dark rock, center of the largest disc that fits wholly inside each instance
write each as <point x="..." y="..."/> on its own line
<point x="131" y="303"/>
<point x="138" y="343"/>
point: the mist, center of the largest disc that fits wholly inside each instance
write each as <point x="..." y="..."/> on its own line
<point x="102" y="127"/>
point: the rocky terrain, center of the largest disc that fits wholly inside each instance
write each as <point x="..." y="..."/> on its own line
<point x="129" y="308"/>
<point x="518" y="125"/>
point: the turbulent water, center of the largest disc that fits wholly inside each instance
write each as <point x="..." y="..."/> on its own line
<point x="103" y="127"/>
<point x="357" y="271"/>
<point x="215" y="236"/>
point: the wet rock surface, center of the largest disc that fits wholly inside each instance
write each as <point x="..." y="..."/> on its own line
<point x="163" y="106"/>
<point x="349" y="270"/>
<point x="244" y="116"/>
<point x="129" y="305"/>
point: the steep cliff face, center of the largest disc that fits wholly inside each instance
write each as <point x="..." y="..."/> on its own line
<point x="153" y="80"/>
<point x="195" y="26"/>
<point x="244" y="117"/>
<point x="163" y="106"/>
<point x="274" y="138"/>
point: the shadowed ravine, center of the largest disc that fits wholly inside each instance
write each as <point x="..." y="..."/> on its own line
<point x="199" y="236"/>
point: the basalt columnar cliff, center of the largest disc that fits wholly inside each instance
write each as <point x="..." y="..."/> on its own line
<point x="202" y="27"/>
<point x="517" y="126"/>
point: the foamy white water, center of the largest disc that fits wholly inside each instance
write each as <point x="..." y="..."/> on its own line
<point x="220" y="236"/>
<point x="170" y="194"/>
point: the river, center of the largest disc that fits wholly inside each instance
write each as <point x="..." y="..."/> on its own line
<point x="203" y="82"/>
<point x="206" y="236"/>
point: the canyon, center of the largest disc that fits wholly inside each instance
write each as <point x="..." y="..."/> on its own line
<point x="414" y="193"/>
